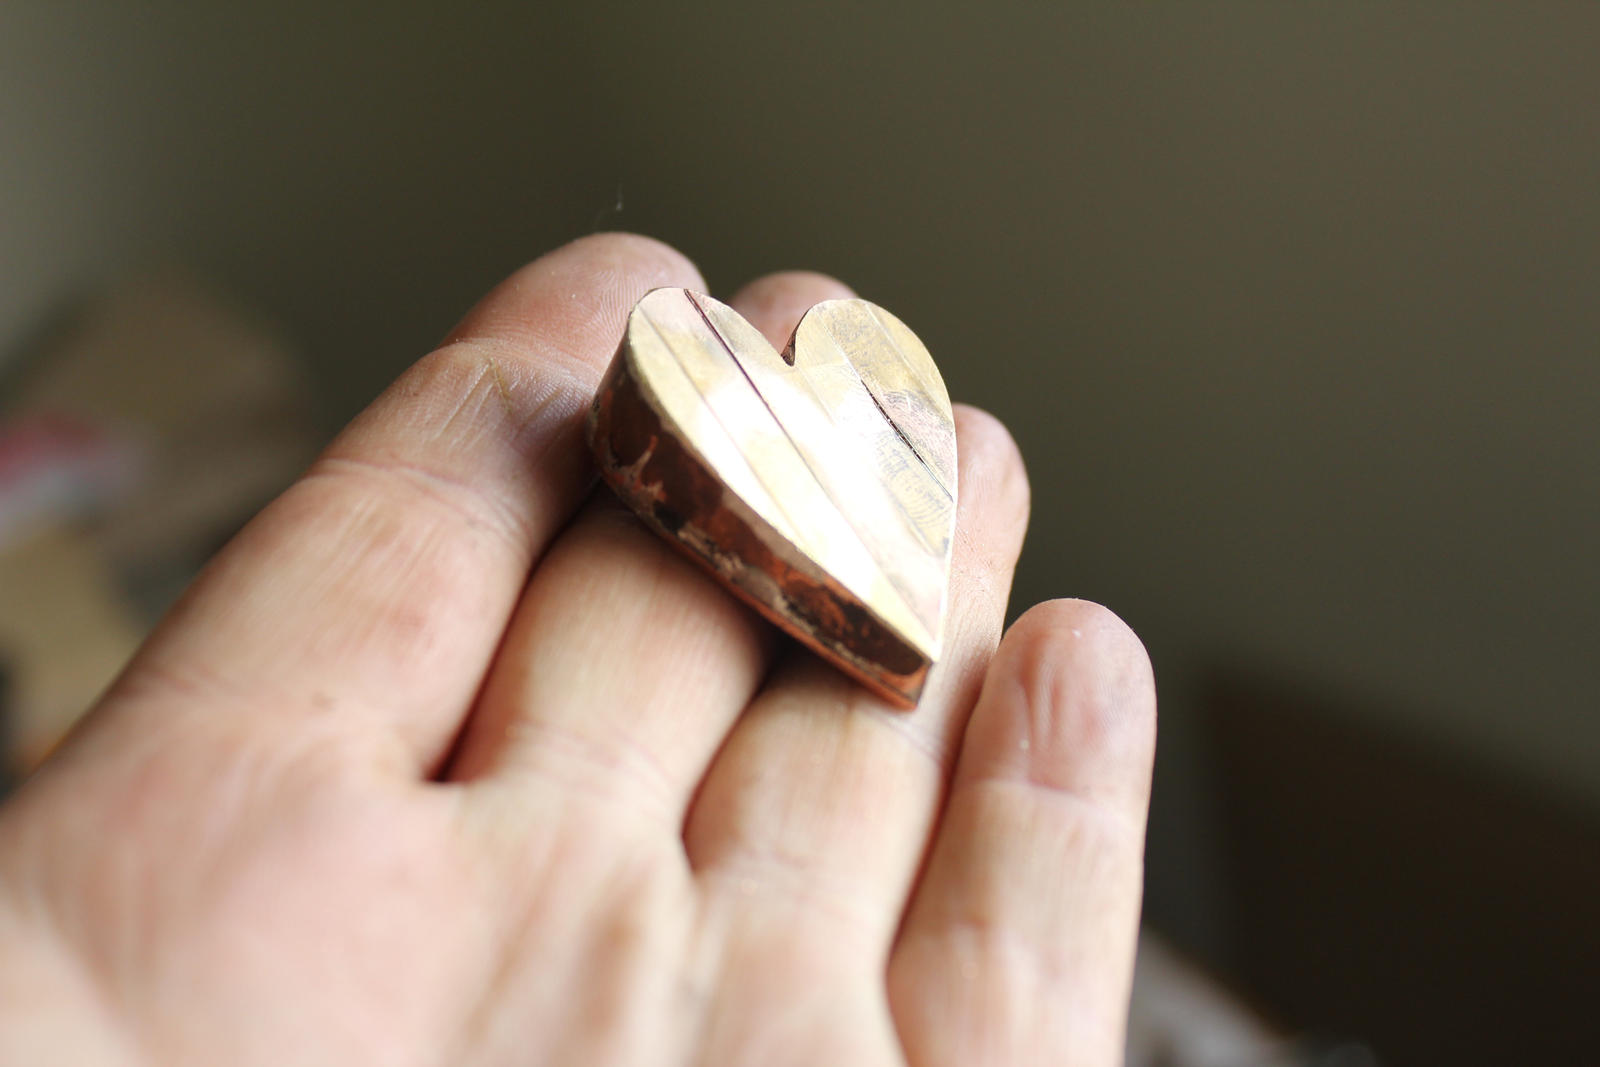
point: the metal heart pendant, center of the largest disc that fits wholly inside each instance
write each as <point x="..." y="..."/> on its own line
<point x="819" y="485"/>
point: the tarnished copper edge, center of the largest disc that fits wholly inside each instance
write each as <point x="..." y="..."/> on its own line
<point x="646" y="464"/>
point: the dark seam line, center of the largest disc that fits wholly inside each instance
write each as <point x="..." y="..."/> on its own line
<point x="907" y="441"/>
<point x="849" y="521"/>
<point x="821" y="485"/>
<point x="794" y="527"/>
<point x="726" y="347"/>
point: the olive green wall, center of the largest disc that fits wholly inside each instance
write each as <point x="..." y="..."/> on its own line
<point x="1293" y="308"/>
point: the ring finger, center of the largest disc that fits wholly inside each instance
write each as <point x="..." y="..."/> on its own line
<point x="824" y="791"/>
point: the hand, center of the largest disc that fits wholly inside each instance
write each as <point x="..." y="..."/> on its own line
<point x="447" y="760"/>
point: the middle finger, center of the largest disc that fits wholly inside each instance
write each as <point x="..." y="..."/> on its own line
<point x="625" y="664"/>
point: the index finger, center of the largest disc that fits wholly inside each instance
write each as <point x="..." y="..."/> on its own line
<point x="370" y="596"/>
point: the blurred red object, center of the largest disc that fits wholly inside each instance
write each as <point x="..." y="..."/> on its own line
<point x="56" y="467"/>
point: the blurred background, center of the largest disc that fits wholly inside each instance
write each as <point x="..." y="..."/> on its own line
<point x="1294" y="310"/>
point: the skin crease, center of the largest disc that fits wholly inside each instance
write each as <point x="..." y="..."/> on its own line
<point x="446" y="760"/>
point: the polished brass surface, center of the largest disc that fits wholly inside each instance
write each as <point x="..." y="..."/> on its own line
<point x="819" y="484"/>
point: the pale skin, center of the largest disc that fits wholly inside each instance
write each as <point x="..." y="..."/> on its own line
<point x="446" y="760"/>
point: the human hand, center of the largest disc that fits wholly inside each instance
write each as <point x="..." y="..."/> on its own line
<point x="445" y="759"/>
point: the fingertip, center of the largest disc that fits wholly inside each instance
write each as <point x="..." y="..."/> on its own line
<point x="992" y="474"/>
<point x="1069" y="704"/>
<point x="1087" y="635"/>
<point x="646" y="262"/>
<point x="625" y="245"/>
<point x="774" y="303"/>
<point x="980" y="423"/>
<point x="583" y="290"/>
<point x="825" y="286"/>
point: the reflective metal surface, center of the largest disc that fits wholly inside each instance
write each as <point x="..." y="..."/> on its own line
<point x="819" y="484"/>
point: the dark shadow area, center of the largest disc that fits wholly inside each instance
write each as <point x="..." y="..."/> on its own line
<point x="1382" y="888"/>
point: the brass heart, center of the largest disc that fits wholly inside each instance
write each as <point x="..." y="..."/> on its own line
<point x="819" y="484"/>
